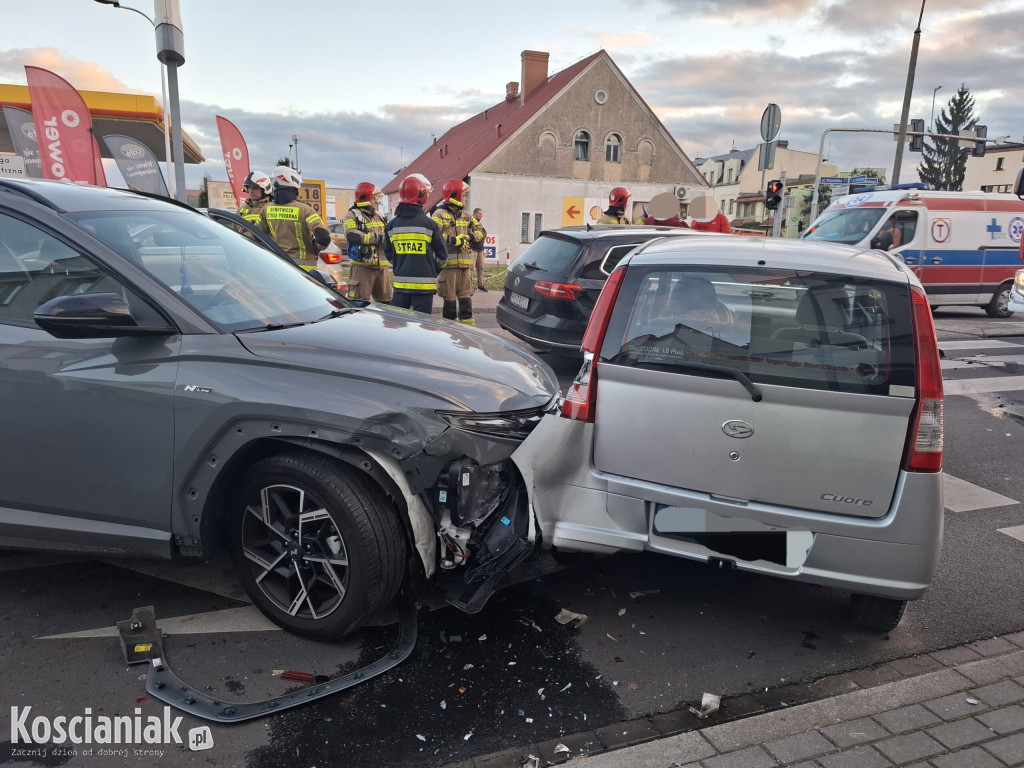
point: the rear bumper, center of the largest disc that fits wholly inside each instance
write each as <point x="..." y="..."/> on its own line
<point x="580" y="509"/>
<point x="545" y="331"/>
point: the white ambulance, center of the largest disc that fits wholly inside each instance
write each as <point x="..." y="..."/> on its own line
<point x="963" y="246"/>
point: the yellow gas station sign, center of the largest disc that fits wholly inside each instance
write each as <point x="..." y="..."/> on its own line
<point x="314" y="193"/>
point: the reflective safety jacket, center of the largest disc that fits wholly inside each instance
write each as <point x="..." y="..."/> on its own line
<point x="460" y="230"/>
<point x="250" y="210"/>
<point x="415" y="247"/>
<point x="292" y="225"/>
<point x="611" y="216"/>
<point x="370" y="225"/>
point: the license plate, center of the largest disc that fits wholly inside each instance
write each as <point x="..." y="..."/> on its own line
<point x="519" y="301"/>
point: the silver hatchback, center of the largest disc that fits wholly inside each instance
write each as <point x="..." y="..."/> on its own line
<point x="769" y="405"/>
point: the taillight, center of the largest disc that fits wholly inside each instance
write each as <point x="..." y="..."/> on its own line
<point x="558" y="290"/>
<point x="582" y="394"/>
<point x="581" y="399"/>
<point x="331" y="258"/>
<point x="924" y="442"/>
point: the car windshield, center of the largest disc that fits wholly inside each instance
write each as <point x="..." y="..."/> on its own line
<point x="850" y="225"/>
<point x="233" y="282"/>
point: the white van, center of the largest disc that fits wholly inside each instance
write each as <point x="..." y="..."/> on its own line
<point x="963" y="246"/>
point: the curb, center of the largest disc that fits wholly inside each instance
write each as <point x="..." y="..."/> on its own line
<point x="747" y="721"/>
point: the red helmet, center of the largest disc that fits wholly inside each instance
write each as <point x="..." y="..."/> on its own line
<point x="454" y="191"/>
<point x="365" y="193"/>
<point x="618" y="197"/>
<point x="414" y="189"/>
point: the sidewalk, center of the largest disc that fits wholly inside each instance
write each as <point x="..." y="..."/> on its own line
<point x="959" y="707"/>
<point x="484" y="302"/>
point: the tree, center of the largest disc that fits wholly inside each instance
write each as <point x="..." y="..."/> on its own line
<point x="944" y="163"/>
<point x="285" y="161"/>
<point x="204" y="193"/>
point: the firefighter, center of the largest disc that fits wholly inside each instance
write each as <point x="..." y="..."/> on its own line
<point x="460" y="230"/>
<point x="414" y="245"/>
<point x="257" y="186"/>
<point x="618" y="198"/>
<point x="294" y="225"/>
<point x="364" y="233"/>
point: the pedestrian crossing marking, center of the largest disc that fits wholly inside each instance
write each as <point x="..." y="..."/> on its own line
<point x="982" y="386"/>
<point x="962" y="496"/>
<point x="1016" y="532"/>
<point x="976" y="344"/>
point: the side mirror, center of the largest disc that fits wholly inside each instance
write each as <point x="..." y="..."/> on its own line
<point x="322" y="277"/>
<point x="1018" y="185"/>
<point x="92" y="316"/>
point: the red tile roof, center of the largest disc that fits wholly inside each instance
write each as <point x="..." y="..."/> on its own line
<point x="464" y="146"/>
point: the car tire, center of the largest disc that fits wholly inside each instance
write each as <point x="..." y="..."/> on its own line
<point x="318" y="548"/>
<point x="999" y="306"/>
<point x="879" y="614"/>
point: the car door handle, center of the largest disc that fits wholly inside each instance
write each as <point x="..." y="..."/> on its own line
<point x="935" y="260"/>
<point x="910" y="259"/>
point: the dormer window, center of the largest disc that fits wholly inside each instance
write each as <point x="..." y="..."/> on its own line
<point x="581" y="146"/>
<point x="612" y="149"/>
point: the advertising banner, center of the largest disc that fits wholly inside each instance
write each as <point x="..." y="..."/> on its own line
<point x="67" y="150"/>
<point x="236" y="157"/>
<point x="137" y="163"/>
<point x="23" y="137"/>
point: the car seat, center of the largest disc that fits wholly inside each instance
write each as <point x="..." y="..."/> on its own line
<point x="822" y="315"/>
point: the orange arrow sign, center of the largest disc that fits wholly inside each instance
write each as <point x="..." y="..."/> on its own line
<point x="573" y="211"/>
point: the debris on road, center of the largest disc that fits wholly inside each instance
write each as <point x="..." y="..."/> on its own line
<point x="566" y="617"/>
<point x="643" y="592"/>
<point x="709" y="704"/>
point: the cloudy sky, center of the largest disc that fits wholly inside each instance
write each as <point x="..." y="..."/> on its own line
<point x="365" y="85"/>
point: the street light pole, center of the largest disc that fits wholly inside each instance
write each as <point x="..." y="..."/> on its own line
<point x="170" y="49"/>
<point x="931" y="125"/>
<point x="902" y="137"/>
<point x="163" y="103"/>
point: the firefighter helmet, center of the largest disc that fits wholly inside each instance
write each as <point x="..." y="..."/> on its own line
<point x="454" y="191"/>
<point x="260" y="180"/>
<point x="287" y="177"/>
<point x="618" y="197"/>
<point x="414" y="189"/>
<point x="366" y="193"/>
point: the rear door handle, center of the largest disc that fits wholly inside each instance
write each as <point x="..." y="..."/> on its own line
<point x="935" y="260"/>
<point x="910" y="259"/>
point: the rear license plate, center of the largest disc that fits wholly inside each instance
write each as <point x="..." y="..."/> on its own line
<point x="519" y="301"/>
<point x="733" y="538"/>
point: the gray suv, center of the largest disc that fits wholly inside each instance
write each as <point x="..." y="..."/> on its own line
<point x="168" y="386"/>
<point x="769" y="405"/>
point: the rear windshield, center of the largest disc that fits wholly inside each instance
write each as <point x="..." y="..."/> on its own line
<point x="814" y="330"/>
<point x="550" y="254"/>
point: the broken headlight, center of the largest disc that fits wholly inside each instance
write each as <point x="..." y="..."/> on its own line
<point x="514" y="424"/>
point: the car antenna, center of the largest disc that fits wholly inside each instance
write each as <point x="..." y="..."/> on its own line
<point x="588" y="226"/>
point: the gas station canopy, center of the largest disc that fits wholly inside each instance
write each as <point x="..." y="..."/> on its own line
<point x="134" y="115"/>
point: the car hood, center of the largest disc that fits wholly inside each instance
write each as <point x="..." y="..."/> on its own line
<point x="471" y="369"/>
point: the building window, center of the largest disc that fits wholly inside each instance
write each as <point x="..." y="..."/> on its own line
<point x="732" y="204"/>
<point x="524" y="231"/>
<point x="612" y="146"/>
<point x="581" y="147"/>
<point x="538" y="224"/>
<point x="999" y="163"/>
<point x="728" y="176"/>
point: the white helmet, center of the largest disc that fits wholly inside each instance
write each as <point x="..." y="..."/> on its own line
<point x="287" y="177"/>
<point x="258" y="179"/>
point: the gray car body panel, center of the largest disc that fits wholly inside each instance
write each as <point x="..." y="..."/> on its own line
<point x="659" y="452"/>
<point x="117" y="444"/>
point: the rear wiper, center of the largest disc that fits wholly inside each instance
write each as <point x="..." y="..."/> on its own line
<point x="732" y="373"/>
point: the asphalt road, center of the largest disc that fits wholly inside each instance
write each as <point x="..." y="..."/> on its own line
<point x="659" y="631"/>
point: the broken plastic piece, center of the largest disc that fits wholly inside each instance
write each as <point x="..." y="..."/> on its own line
<point x="561" y="748"/>
<point x="643" y="592"/>
<point x="709" y="704"/>
<point x="530" y="761"/>
<point x="299" y="677"/>
<point x="139" y="635"/>
<point x="565" y="617"/>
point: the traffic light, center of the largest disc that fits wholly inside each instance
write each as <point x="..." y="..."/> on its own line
<point x="773" y="196"/>
<point x="980" y="132"/>
<point x="917" y="142"/>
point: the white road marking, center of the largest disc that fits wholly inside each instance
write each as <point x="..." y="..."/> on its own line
<point x="961" y="496"/>
<point x="1017" y="532"/>
<point x="976" y="344"/>
<point x="244" y="619"/>
<point x="979" y="386"/>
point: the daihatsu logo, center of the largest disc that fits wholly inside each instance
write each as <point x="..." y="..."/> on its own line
<point x="738" y="429"/>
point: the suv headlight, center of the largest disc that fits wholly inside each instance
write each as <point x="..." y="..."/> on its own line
<point x="1019" y="280"/>
<point x="511" y="424"/>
